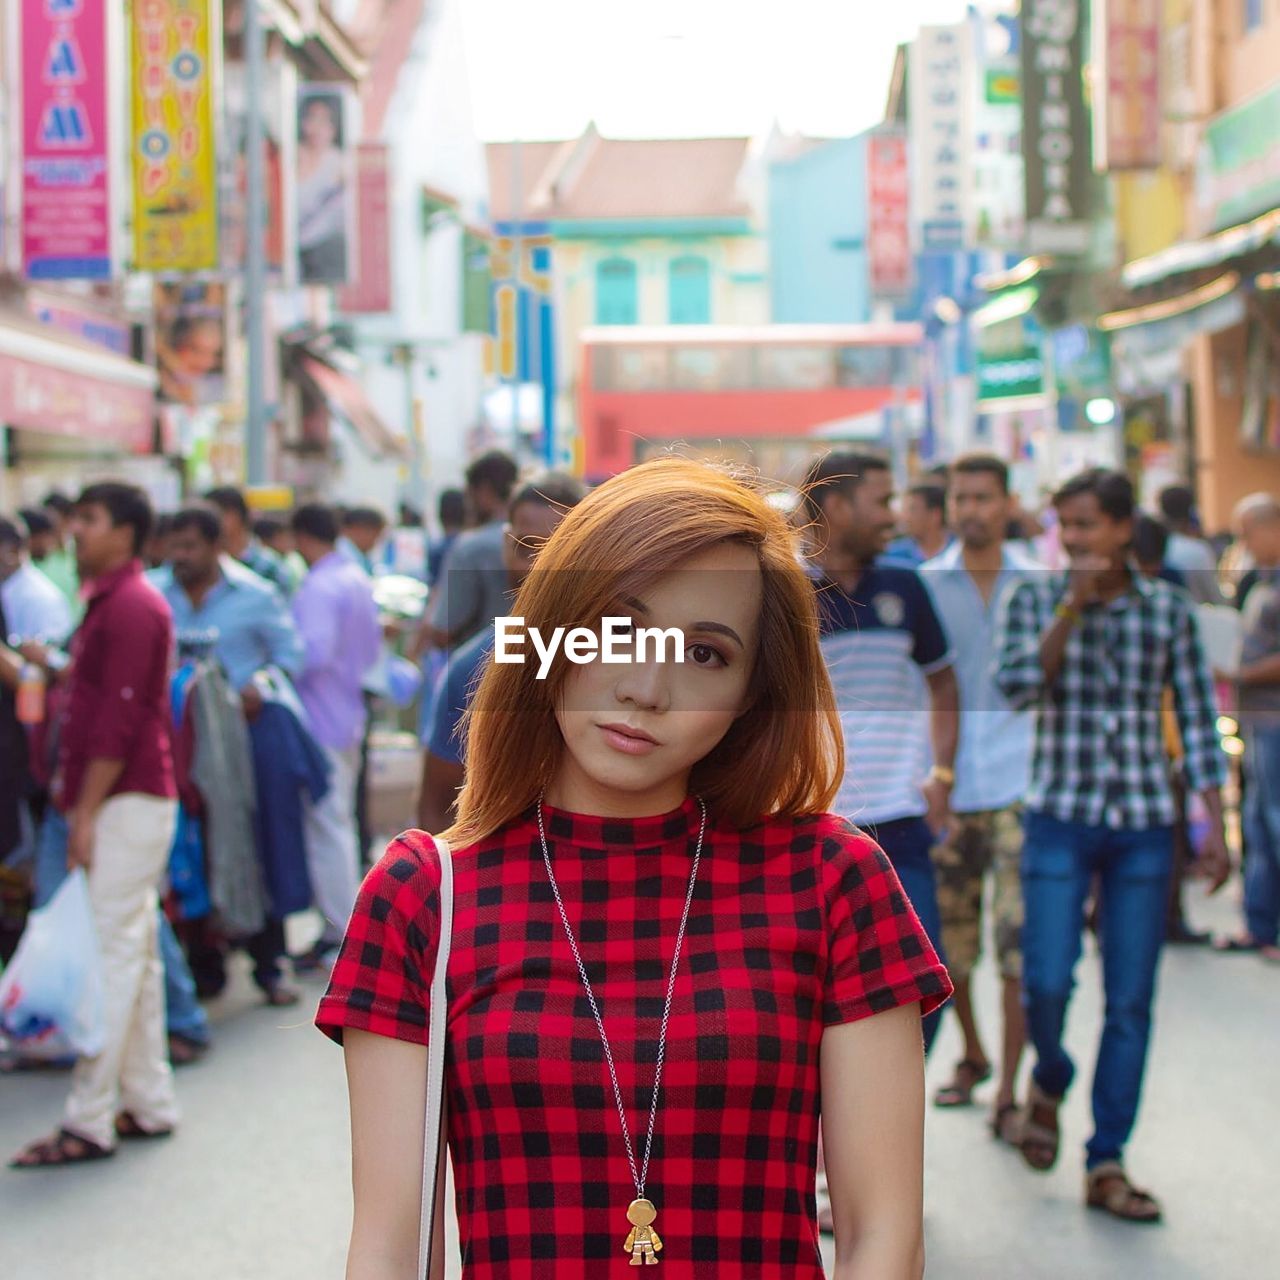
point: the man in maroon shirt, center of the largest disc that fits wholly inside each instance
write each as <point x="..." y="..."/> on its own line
<point x="115" y="783"/>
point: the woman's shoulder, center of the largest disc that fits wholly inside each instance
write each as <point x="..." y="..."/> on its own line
<point x="831" y="840"/>
<point x="405" y="881"/>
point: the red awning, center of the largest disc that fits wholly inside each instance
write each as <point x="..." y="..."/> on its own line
<point x="346" y="397"/>
<point x="56" y="383"/>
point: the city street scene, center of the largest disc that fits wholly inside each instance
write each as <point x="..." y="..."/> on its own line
<point x="639" y="636"/>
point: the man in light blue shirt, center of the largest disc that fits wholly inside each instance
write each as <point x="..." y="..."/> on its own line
<point x="34" y="608"/>
<point x="967" y="582"/>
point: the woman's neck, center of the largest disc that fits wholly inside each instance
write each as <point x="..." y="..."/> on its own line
<point x="576" y="792"/>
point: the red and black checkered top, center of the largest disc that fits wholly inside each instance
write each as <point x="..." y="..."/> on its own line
<point x="796" y="925"/>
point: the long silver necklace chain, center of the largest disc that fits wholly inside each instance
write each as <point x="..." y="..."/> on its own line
<point x="639" y="1177"/>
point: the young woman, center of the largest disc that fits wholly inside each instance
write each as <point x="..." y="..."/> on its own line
<point x="648" y="840"/>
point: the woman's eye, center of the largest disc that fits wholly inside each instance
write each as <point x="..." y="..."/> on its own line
<point x="703" y="655"/>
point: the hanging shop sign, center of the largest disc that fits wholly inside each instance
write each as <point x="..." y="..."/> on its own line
<point x="941" y="71"/>
<point x="1238" y="173"/>
<point x="888" y="203"/>
<point x="1055" y="127"/>
<point x="370" y="289"/>
<point x="1010" y="375"/>
<point x="997" y="203"/>
<point x="326" y="184"/>
<point x="65" y="195"/>
<point x="1126" y="115"/>
<point x="175" y="160"/>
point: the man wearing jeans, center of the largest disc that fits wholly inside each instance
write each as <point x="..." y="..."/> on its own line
<point x="338" y="621"/>
<point x="1092" y="651"/>
<point x="115" y="782"/>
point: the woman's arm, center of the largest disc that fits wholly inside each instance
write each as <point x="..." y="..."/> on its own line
<point x="873" y="1138"/>
<point x="387" y="1082"/>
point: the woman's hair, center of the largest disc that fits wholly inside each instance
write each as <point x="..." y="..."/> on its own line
<point x="784" y="755"/>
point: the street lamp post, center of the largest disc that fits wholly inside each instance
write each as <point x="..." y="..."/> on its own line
<point x="255" y="252"/>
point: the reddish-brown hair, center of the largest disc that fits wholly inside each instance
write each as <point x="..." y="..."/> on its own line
<point x="783" y="756"/>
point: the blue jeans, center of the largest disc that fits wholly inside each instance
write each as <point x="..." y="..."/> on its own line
<point x="1059" y="861"/>
<point x="184" y="1013"/>
<point x="1261" y="822"/>
<point x="907" y="843"/>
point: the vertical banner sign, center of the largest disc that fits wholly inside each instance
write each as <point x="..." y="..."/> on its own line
<point x="325" y="185"/>
<point x="1126" y="118"/>
<point x="940" y="68"/>
<point x="175" y="164"/>
<point x="1055" y="126"/>
<point x="888" y="230"/>
<point x="370" y="291"/>
<point x="66" y="213"/>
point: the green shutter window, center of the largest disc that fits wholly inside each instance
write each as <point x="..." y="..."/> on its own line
<point x="477" y="284"/>
<point x="689" y="291"/>
<point x="616" y="291"/>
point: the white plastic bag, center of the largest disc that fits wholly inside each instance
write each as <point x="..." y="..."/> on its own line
<point x="52" y="1002"/>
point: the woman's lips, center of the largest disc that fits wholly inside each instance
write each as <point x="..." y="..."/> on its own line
<point x="630" y="741"/>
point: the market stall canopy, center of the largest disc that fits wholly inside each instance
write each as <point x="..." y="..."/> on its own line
<point x="1196" y="255"/>
<point x="347" y="398"/>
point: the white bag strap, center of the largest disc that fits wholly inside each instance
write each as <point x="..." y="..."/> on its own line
<point x="434" y="1139"/>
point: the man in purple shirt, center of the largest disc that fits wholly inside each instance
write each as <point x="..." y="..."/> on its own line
<point x="115" y="783"/>
<point x="338" y="621"/>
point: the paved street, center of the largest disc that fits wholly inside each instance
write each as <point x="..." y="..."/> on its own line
<point x="256" y="1185"/>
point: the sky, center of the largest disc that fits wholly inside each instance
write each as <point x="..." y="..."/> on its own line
<point x="685" y="68"/>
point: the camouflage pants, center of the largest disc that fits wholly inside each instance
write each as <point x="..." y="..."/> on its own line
<point x="975" y="843"/>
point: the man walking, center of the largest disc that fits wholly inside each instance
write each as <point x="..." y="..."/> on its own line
<point x="34" y="608"/>
<point x="238" y="539"/>
<point x="1092" y="651"/>
<point x="992" y="771"/>
<point x="115" y="780"/>
<point x="1188" y="551"/>
<point x="338" y="621"/>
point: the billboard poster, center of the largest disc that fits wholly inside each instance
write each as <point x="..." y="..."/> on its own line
<point x="888" y="211"/>
<point x="370" y="290"/>
<point x="1127" y="56"/>
<point x="996" y="169"/>
<point x="1055" y="127"/>
<point x="191" y="322"/>
<point x="65" y="176"/>
<point x="175" y="46"/>
<point x="941" y="71"/>
<point x="325" y="185"/>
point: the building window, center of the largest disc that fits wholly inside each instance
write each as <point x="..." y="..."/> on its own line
<point x="689" y="291"/>
<point x="1253" y="15"/>
<point x="616" y="291"/>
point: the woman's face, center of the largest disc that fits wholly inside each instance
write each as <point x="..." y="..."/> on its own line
<point x="633" y="731"/>
<point x="317" y="126"/>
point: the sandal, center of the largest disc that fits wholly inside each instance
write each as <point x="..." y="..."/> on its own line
<point x="183" y="1051"/>
<point x="64" y="1147"/>
<point x="1006" y="1123"/>
<point x="1245" y="943"/>
<point x="959" y="1093"/>
<point x="1040" y="1136"/>
<point x="1108" y="1188"/>
<point x="128" y="1128"/>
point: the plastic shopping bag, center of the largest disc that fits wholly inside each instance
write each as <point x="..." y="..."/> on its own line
<point x="51" y="995"/>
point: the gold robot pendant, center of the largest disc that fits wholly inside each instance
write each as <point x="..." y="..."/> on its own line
<point x="643" y="1243"/>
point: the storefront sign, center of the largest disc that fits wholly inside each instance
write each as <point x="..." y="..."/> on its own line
<point x="39" y="397"/>
<point x="66" y="207"/>
<point x="997" y="202"/>
<point x="1055" y="127"/>
<point x="939" y="77"/>
<point x="1127" y="56"/>
<point x="1239" y="166"/>
<point x="888" y="230"/>
<point x="175" y="174"/>
<point x="67" y="316"/>
<point x="370" y="290"/>
<point x="1012" y="375"/>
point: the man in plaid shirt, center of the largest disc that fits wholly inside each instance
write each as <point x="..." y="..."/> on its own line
<point x="1092" y="651"/>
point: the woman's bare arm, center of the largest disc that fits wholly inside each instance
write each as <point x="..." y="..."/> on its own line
<point x="387" y="1084"/>
<point x="873" y="1137"/>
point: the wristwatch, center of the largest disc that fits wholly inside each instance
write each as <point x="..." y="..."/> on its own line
<point x="944" y="775"/>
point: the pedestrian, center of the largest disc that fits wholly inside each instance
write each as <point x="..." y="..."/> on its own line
<point x="472" y="585"/>
<point x="115" y="781"/>
<point x="50" y="556"/>
<point x="537" y="507"/>
<point x="1247" y="523"/>
<point x="653" y="830"/>
<point x="406" y="551"/>
<point x="1189" y="551"/>
<point x="967" y="583"/>
<point x="211" y="592"/>
<point x="452" y="514"/>
<point x="238" y="539"/>
<point x="362" y="530"/>
<point x="1091" y="651"/>
<point x="338" y="621"/>
<point x="924" y="521"/>
<point x="1258" y="708"/>
<point x="273" y="532"/>
<point x="34" y="608"/>
<point x="893" y="674"/>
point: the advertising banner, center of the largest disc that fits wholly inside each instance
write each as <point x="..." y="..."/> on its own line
<point x="1055" y="127"/>
<point x="370" y="290"/>
<point x="325" y="185"/>
<point x="1126" y="115"/>
<point x="941" y="70"/>
<point x="175" y="47"/>
<point x="66" y="200"/>
<point x="888" y="213"/>
<point x="1238" y="176"/>
<point x="191" y="320"/>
